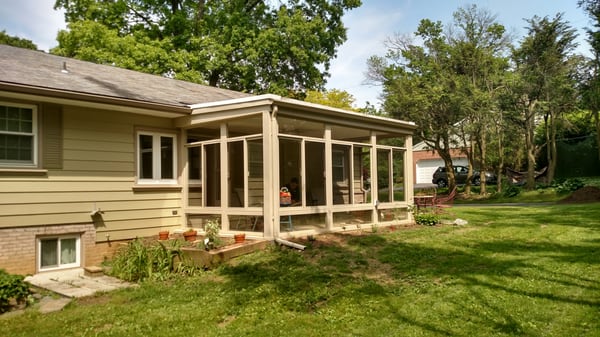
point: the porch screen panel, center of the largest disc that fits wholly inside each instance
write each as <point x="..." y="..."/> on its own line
<point x="340" y="169"/>
<point x="195" y="176"/>
<point x="398" y="172"/>
<point x="383" y="176"/>
<point x="236" y="187"/>
<point x="315" y="173"/>
<point x="290" y="165"/>
<point x="213" y="175"/>
<point x="255" y="173"/>
<point x="362" y="174"/>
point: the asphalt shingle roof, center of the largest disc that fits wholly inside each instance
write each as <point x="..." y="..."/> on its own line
<point x="42" y="70"/>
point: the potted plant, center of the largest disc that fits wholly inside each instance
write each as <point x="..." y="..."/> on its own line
<point x="239" y="238"/>
<point x="163" y="235"/>
<point x="211" y="230"/>
<point x="190" y="235"/>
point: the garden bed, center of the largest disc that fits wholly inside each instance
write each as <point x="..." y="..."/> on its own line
<point x="207" y="259"/>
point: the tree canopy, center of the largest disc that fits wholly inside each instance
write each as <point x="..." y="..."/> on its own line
<point x="16" y="41"/>
<point x="283" y="47"/>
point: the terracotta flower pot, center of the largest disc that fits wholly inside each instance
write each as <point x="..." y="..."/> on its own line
<point x="190" y="235"/>
<point x="163" y="235"/>
<point x="239" y="238"/>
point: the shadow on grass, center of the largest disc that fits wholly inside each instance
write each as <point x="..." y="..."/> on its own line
<point x="359" y="268"/>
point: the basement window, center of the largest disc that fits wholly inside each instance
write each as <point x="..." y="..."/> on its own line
<point x="59" y="252"/>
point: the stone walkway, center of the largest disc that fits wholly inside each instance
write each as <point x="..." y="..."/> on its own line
<point x="71" y="283"/>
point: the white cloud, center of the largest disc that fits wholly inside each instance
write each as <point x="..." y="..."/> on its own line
<point x="35" y="20"/>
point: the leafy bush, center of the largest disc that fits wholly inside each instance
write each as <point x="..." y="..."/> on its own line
<point x="427" y="219"/>
<point x="569" y="185"/>
<point x="12" y="287"/>
<point x="511" y="191"/>
<point x="141" y="260"/>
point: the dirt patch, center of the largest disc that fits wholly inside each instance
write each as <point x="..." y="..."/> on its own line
<point x="583" y="195"/>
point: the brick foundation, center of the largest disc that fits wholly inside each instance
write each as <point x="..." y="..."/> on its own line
<point x="18" y="246"/>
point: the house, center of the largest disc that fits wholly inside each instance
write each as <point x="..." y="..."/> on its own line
<point x="91" y="155"/>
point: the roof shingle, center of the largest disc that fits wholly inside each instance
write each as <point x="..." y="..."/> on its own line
<point x="42" y="70"/>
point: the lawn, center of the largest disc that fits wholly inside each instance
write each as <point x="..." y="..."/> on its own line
<point x="512" y="271"/>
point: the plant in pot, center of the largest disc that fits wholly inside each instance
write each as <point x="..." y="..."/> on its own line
<point x="190" y="235"/>
<point x="211" y="230"/>
<point x="239" y="238"/>
<point x="163" y="235"/>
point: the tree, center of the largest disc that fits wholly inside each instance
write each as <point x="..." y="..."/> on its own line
<point x="448" y="84"/>
<point x="16" y="41"/>
<point x="542" y="61"/>
<point x="478" y="46"/>
<point x="420" y="85"/>
<point x="257" y="46"/>
<point x="590" y="84"/>
<point x="334" y="98"/>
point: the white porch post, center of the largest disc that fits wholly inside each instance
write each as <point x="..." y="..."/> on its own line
<point x="224" y="162"/>
<point x="409" y="169"/>
<point x="270" y="173"/>
<point x="328" y="178"/>
<point x="184" y="155"/>
<point x="374" y="185"/>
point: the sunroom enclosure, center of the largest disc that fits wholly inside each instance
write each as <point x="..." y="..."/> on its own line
<point x="352" y="169"/>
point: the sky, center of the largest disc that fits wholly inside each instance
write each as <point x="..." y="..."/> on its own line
<point x="368" y="27"/>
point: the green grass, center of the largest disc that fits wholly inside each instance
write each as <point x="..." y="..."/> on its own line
<point x="539" y="195"/>
<point x="512" y="271"/>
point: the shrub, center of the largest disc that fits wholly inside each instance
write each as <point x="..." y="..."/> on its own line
<point x="12" y="287"/>
<point x="511" y="191"/>
<point x="569" y="185"/>
<point x="211" y="230"/>
<point x="427" y="219"/>
<point x="141" y="260"/>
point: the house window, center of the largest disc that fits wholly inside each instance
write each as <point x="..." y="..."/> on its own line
<point x="338" y="165"/>
<point x="59" y="252"/>
<point x="156" y="158"/>
<point x="18" y="135"/>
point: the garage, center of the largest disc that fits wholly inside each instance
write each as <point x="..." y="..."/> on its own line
<point x="426" y="167"/>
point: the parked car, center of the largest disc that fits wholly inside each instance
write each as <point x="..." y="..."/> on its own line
<point x="440" y="177"/>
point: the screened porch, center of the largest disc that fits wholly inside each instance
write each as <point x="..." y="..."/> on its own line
<point x="350" y="172"/>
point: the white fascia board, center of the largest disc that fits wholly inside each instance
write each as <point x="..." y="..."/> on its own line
<point x="297" y="103"/>
<point x="249" y="99"/>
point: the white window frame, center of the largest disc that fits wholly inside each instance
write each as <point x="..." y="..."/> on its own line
<point x="75" y="264"/>
<point x="156" y="158"/>
<point x="33" y="134"/>
<point x="339" y="154"/>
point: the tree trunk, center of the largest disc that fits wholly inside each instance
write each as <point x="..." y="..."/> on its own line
<point x="470" y="160"/>
<point x="482" y="153"/>
<point x="530" y="144"/>
<point x="597" y="122"/>
<point x="199" y="15"/>
<point x="552" y="150"/>
<point x="500" y="157"/>
<point x="444" y="152"/>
